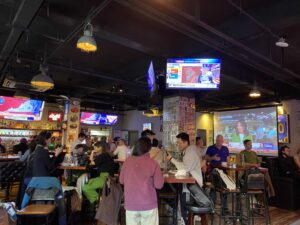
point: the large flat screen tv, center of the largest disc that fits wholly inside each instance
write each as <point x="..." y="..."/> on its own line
<point x="21" y="109"/>
<point x="193" y="73"/>
<point x="258" y="125"/>
<point x="151" y="79"/>
<point x="97" y="119"/>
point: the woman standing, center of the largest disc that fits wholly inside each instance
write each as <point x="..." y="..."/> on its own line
<point x="141" y="176"/>
<point x="43" y="165"/>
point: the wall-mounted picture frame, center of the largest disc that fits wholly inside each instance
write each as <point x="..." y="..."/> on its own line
<point x="283" y="129"/>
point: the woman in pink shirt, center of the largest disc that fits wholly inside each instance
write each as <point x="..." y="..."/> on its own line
<point x="141" y="176"/>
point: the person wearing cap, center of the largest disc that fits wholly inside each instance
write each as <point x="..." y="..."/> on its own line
<point x="21" y="147"/>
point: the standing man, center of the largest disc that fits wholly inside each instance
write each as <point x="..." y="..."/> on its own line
<point x="81" y="138"/>
<point x="216" y="154"/>
<point x="191" y="164"/>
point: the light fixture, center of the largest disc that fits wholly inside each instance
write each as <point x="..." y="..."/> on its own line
<point x="152" y="112"/>
<point x="87" y="42"/>
<point x="282" y="43"/>
<point x="42" y="81"/>
<point x="254" y="93"/>
<point x="21" y="94"/>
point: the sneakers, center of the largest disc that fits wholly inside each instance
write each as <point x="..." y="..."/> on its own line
<point x="197" y="218"/>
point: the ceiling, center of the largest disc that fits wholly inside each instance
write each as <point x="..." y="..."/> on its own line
<point x="131" y="33"/>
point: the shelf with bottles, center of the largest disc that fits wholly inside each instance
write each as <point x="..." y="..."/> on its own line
<point x="30" y="125"/>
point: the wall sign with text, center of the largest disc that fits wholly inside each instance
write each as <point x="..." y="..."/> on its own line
<point x="55" y="116"/>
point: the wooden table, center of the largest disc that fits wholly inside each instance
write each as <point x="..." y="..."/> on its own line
<point x="172" y="179"/>
<point x="72" y="168"/>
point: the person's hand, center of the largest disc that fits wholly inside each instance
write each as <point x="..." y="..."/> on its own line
<point x="169" y="157"/>
<point x="216" y="158"/>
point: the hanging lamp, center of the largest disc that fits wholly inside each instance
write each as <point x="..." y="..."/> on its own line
<point x="86" y="42"/>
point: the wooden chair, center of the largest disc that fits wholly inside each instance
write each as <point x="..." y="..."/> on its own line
<point x="36" y="210"/>
<point x="41" y="206"/>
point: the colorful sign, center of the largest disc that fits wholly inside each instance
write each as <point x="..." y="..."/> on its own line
<point x="147" y="126"/>
<point x="283" y="129"/>
<point x="55" y="116"/>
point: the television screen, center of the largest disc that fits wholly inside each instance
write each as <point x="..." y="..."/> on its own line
<point x="151" y="79"/>
<point x="55" y="116"/>
<point x="20" y="109"/>
<point x="67" y="107"/>
<point x="258" y="125"/>
<point x="147" y="126"/>
<point x="96" y="119"/>
<point x="193" y="73"/>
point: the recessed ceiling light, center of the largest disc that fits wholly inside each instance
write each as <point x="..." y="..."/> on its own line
<point x="254" y="93"/>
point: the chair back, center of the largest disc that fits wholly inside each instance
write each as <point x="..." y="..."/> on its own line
<point x="254" y="179"/>
<point x="200" y="197"/>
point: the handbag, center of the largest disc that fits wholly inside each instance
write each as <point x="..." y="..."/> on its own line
<point x="227" y="181"/>
<point x="110" y="202"/>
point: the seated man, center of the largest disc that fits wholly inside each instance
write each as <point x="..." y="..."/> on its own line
<point x="287" y="165"/>
<point x="251" y="159"/>
<point x="191" y="164"/>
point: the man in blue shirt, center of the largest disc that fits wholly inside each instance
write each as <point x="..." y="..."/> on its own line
<point x="216" y="154"/>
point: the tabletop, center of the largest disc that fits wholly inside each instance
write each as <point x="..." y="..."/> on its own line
<point x="172" y="179"/>
<point x="72" y="167"/>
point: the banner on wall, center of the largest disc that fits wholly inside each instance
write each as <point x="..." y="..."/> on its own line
<point x="283" y="129"/>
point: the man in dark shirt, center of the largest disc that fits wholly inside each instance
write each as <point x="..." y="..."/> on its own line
<point x="216" y="154"/>
<point x="21" y="147"/>
<point x="287" y="166"/>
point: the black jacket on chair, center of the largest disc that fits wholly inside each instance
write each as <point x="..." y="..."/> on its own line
<point x="43" y="165"/>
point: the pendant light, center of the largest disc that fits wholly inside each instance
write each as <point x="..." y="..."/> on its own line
<point x="282" y="43"/>
<point x="42" y="80"/>
<point x="21" y="95"/>
<point x="87" y="42"/>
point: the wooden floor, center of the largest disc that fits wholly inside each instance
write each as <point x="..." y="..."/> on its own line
<point x="278" y="216"/>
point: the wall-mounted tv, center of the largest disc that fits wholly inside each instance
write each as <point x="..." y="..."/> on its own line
<point x="193" y="73"/>
<point x="258" y="125"/>
<point x="97" y="119"/>
<point x="151" y="79"/>
<point x="20" y="109"/>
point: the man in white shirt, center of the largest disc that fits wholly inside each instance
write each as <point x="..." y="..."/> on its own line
<point x="81" y="138"/>
<point x="121" y="150"/>
<point x="191" y="164"/>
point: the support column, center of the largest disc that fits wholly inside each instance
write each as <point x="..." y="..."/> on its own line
<point x="179" y="115"/>
<point x="73" y="122"/>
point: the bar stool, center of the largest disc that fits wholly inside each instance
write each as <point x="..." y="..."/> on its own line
<point x="255" y="186"/>
<point x="236" y="213"/>
<point x="200" y="204"/>
<point x="169" y="198"/>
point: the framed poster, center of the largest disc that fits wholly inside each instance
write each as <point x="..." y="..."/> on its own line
<point x="283" y="129"/>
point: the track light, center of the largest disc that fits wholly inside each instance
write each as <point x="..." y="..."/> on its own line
<point x="42" y="81"/>
<point x="282" y="43"/>
<point x="87" y="42"/>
